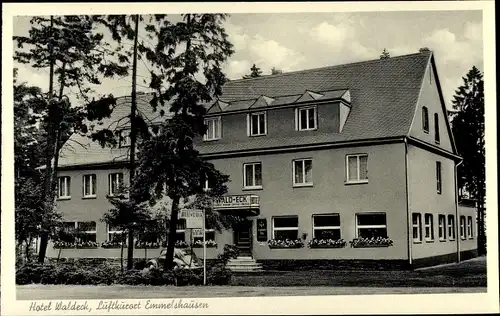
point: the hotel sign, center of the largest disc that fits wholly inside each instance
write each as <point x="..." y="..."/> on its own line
<point x="236" y="202"/>
<point x="194" y="218"/>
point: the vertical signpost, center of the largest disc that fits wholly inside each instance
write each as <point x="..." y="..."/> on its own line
<point x="195" y="219"/>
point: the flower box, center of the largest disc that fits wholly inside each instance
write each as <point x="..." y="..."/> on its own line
<point x="285" y="244"/>
<point x="69" y="245"/>
<point x="113" y="245"/>
<point x="147" y="245"/>
<point x="209" y="243"/>
<point x="178" y="244"/>
<point x="327" y="243"/>
<point x="371" y="242"/>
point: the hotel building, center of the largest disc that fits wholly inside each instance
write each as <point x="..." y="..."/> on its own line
<point x="357" y="162"/>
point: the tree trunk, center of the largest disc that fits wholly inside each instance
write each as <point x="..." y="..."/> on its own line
<point x="169" y="257"/>
<point x="44" y="237"/>
<point x="133" y="139"/>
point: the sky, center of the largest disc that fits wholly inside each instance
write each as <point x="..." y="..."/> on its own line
<point x="298" y="41"/>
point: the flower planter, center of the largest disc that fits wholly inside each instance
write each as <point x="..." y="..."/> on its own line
<point x="286" y="247"/>
<point x="327" y="246"/>
<point x="112" y="246"/>
<point x="64" y="247"/>
<point x="201" y="246"/>
<point x="370" y="246"/>
<point x="87" y="247"/>
<point x="147" y="247"/>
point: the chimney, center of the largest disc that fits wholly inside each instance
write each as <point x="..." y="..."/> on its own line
<point x="424" y="50"/>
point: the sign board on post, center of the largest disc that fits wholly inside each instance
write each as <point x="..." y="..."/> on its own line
<point x="194" y="218"/>
<point x="197" y="232"/>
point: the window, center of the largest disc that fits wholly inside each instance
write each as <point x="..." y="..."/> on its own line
<point x="436" y="128"/>
<point x="68" y="232"/>
<point x="63" y="187"/>
<point x="89" y="185"/>
<point x="463" y="227"/>
<point x="442" y="227"/>
<point x="286" y="227"/>
<point x="209" y="234"/>
<point x="305" y="119"/>
<point x="115" y="183"/>
<point x="150" y="232"/>
<point x="124" y="140"/>
<point x="438" y="177"/>
<point x="326" y="226"/>
<point x="213" y="128"/>
<point x="470" y="231"/>
<point x="425" y="119"/>
<point x="429" y="227"/>
<point x="357" y="168"/>
<point x="86" y="231"/>
<point x="116" y="234"/>
<point x="252" y="174"/>
<point x="417" y="227"/>
<point x="180" y="231"/>
<point x="371" y="225"/>
<point x="451" y="227"/>
<point x="257" y="124"/>
<point x="302" y="172"/>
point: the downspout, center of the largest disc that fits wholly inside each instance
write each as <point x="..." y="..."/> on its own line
<point x="457" y="221"/>
<point x="408" y="217"/>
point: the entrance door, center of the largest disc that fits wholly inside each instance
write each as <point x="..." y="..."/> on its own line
<point x="243" y="237"/>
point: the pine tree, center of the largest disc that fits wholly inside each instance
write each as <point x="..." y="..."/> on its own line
<point x="254" y="72"/>
<point x="75" y="56"/>
<point x="169" y="164"/>
<point x="385" y="54"/>
<point x="467" y="121"/>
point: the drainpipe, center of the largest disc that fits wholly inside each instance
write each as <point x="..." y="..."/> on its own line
<point x="408" y="217"/>
<point x="457" y="217"/>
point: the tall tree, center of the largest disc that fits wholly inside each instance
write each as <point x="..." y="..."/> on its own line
<point x="254" y="72"/>
<point x="385" y="54"/>
<point x="169" y="164"/>
<point x="467" y="122"/>
<point x="74" y="55"/>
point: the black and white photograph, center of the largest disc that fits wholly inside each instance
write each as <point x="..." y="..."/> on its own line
<point x="249" y="158"/>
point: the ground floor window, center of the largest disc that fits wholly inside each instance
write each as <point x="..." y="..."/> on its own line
<point x="115" y="234"/>
<point x="463" y="227"/>
<point x="371" y="225"/>
<point x="209" y="235"/>
<point x="442" y="227"/>
<point x="86" y="231"/>
<point x="417" y="227"/>
<point x="286" y="227"/>
<point x="180" y="231"/>
<point x="429" y="227"/>
<point x="451" y="227"/>
<point x="67" y="232"/>
<point x="326" y="226"/>
<point x="470" y="231"/>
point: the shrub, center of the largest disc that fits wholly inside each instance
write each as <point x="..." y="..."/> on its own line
<point x="188" y="277"/>
<point x="229" y="252"/>
<point x="219" y="275"/>
<point x="140" y="264"/>
<point x="32" y="272"/>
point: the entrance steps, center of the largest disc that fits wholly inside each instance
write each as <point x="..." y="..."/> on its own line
<point x="244" y="264"/>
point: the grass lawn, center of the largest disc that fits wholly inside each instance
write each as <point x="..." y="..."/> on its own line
<point x="470" y="273"/>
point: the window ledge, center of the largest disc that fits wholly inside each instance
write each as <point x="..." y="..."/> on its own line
<point x="258" y="135"/>
<point x="417" y="241"/>
<point x="211" y="140"/>
<point x="89" y="197"/>
<point x="251" y="188"/>
<point x="302" y="185"/>
<point x="442" y="240"/>
<point x="429" y="240"/>
<point x="427" y="132"/>
<point x="307" y="129"/>
<point x="62" y="198"/>
<point x="437" y="142"/>
<point x="451" y="239"/>
<point x="354" y="182"/>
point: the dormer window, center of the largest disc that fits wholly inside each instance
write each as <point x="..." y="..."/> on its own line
<point x="214" y="128"/>
<point x="257" y="124"/>
<point x="124" y="140"/>
<point x="306" y="118"/>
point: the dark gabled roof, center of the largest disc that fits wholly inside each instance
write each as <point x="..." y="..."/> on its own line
<point x="383" y="93"/>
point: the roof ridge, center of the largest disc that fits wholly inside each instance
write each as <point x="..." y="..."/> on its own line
<point x="326" y="67"/>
